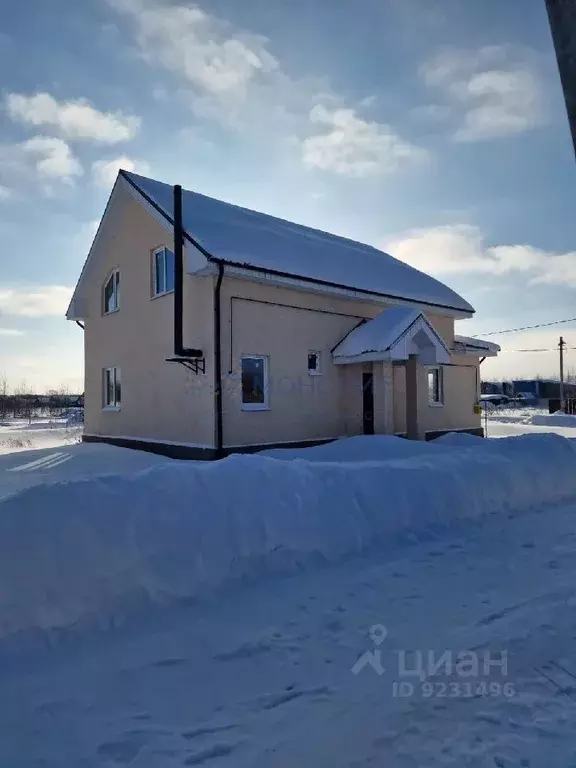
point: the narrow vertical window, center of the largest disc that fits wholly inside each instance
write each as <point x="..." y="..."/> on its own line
<point x="112" y="293"/>
<point x="254" y="383"/>
<point x="112" y="388"/>
<point x="435" y="386"/>
<point x="314" y="368"/>
<point x="162" y="271"/>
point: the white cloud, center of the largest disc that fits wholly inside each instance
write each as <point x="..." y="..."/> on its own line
<point x="494" y="91"/>
<point x="5" y="193"/>
<point x="223" y="74"/>
<point x="232" y="77"/>
<point x="52" y="158"/>
<point x="40" y="161"/>
<point x="11" y="332"/>
<point x="76" y="119"/>
<point x="461" y="249"/>
<point x="104" y="172"/>
<point x="38" y="301"/>
<point x="206" y="51"/>
<point x="351" y="146"/>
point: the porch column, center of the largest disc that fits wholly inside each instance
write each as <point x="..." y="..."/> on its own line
<point x="413" y="428"/>
<point x="383" y="399"/>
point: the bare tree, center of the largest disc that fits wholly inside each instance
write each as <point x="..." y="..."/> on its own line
<point x="24" y="401"/>
<point x="58" y="401"/>
<point x="4" y="402"/>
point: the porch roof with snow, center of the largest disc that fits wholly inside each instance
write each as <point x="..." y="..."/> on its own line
<point x="262" y="247"/>
<point x="393" y="336"/>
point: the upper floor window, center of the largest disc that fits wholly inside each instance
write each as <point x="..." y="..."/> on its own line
<point x="162" y="271"/>
<point x="112" y="293"/>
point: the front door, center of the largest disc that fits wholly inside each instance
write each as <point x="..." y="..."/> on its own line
<point x="368" y="403"/>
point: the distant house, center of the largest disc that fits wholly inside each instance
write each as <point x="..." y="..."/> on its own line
<point x="497" y="388"/>
<point x="237" y="331"/>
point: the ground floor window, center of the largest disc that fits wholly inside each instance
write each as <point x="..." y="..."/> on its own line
<point x="112" y="389"/>
<point x="254" y="382"/>
<point x="314" y="363"/>
<point x="435" y="386"/>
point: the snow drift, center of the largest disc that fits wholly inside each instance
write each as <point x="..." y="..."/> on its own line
<point x="87" y="552"/>
<point x="553" y="420"/>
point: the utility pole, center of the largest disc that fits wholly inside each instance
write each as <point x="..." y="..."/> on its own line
<point x="561" y="347"/>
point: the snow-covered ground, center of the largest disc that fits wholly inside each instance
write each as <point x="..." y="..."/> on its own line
<point x="175" y="614"/>
<point x="505" y="422"/>
<point x="23" y="435"/>
<point x="66" y="461"/>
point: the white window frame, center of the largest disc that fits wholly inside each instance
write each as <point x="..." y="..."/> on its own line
<point x="318" y="370"/>
<point x="117" y="379"/>
<point x="439" y="370"/>
<point x="115" y="277"/>
<point x="155" y="292"/>
<point x="265" y="406"/>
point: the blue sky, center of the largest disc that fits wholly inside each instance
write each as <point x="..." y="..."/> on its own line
<point x="435" y="129"/>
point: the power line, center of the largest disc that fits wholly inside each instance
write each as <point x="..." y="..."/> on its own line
<point x="526" y="328"/>
<point x="552" y="349"/>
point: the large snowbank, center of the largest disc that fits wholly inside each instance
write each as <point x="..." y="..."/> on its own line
<point x="87" y="552"/>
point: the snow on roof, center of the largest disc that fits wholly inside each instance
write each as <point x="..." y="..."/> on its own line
<point x="385" y="332"/>
<point x="255" y="240"/>
<point x="469" y="343"/>
<point x="378" y="334"/>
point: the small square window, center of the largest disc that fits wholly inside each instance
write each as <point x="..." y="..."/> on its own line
<point x="254" y="383"/>
<point x="314" y="363"/>
<point x="435" y="386"/>
<point x="112" y="388"/>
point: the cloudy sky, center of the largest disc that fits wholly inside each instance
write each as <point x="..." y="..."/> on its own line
<point x="434" y="129"/>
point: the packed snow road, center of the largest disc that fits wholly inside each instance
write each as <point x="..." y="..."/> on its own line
<point x="372" y="602"/>
<point x="263" y="677"/>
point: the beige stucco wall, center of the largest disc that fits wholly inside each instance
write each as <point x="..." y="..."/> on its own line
<point x="460" y="396"/>
<point x="160" y="401"/>
<point x="285" y="325"/>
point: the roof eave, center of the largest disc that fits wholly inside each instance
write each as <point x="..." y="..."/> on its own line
<point x="456" y="312"/>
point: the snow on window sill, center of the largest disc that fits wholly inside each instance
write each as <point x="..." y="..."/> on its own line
<point x="111" y="311"/>
<point x="314" y="373"/>
<point x="163" y="293"/>
<point x="255" y="407"/>
<point x="436" y="405"/>
<point x="112" y="408"/>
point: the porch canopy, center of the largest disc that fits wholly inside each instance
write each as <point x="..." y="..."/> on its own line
<point x="392" y="336"/>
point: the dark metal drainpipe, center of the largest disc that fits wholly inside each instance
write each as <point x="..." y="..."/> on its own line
<point x="179" y="349"/>
<point x="218" y="360"/>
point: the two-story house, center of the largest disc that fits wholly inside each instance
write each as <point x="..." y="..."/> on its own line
<point x="211" y="329"/>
